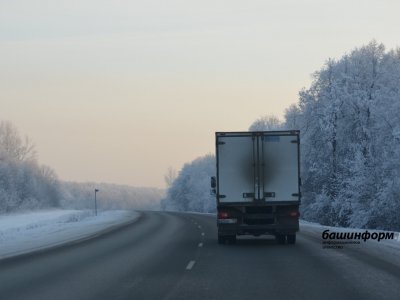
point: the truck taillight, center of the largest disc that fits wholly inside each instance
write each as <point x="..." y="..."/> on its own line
<point x="294" y="214"/>
<point x="223" y="215"/>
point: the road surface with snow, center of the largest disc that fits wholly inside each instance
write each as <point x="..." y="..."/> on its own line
<point x="176" y="256"/>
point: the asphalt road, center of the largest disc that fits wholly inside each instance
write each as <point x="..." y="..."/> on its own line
<point x="176" y="256"/>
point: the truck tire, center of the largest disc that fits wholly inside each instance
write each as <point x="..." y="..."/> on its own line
<point x="221" y="239"/>
<point x="291" y="239"/>
<point x="280" y="239"/>
<point x="232" y="239"/>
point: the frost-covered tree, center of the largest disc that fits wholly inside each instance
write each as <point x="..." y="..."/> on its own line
<point x="350" y="125"/>
<point x="12" y="146"/>
<point x="190" y="191"/>
<point x="24" y="184"/>
<point x="170" y="176"/>
<point x="265" y="123"/>
<point x="292" y="118"/>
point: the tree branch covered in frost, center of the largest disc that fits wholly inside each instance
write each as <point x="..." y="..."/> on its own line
<point x="190" y="191"/>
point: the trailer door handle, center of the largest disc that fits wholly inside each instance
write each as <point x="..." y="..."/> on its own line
<point x="269" y="194"/>
<point x="248" y="195"/>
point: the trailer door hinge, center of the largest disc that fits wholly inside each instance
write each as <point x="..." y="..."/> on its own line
<point x="221" y="196"/>
<point x="220" y="143"/>
<point x="296" y="195"/>
<point x="295" y="141"/>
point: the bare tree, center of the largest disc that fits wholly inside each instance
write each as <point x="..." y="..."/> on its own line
<point x="170" y="176"/>
<point x="13" y="146"/>
<point x="49" y="174"/>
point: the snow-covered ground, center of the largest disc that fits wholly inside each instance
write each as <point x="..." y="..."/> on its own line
<point x="26" y="232"/>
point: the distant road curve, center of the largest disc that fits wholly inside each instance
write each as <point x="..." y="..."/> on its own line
<point x="176" y="256"/>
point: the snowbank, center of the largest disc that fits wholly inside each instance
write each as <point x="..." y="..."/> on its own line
<point x="26" y="232"/>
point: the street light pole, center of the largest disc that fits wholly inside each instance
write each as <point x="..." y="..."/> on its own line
<point x="95" y="201"/>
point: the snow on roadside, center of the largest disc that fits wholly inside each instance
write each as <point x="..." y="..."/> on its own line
<point x="26" y="232"/>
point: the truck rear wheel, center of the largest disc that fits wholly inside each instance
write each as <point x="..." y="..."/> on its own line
<point x="232" y="239"/>
<point x="280" y="239"/>
<point x="221" y="239"/>
<point x="291" y="239"/>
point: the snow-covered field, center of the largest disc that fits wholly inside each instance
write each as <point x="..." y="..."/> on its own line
<point x="26" y="232"/>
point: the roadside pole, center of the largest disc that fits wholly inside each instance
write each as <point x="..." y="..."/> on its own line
<point x="95" y="201"/>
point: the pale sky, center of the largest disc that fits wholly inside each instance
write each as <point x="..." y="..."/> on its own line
<point x="118" y="91"/>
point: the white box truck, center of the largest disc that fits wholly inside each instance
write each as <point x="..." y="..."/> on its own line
<point x="257" y="184"/>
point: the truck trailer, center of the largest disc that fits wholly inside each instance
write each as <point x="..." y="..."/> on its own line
<point x="257" y="184"/>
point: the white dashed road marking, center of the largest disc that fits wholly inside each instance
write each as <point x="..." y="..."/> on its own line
<point x="190" y="265"/>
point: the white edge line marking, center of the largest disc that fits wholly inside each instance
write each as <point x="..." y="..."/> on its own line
<point x="190" y="265"/>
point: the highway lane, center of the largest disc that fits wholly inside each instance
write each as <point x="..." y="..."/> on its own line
<point x="176" y="256"/>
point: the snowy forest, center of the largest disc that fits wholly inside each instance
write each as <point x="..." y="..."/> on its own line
<point x="27" y="185"/>
<point x="190" y="191"/>
<point x="349" y="119"/>
<point x="24" y="184"/>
